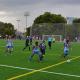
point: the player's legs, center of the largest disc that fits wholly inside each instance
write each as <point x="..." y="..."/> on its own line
<point x="39" y="56"/>
<point x="65" y="53"/>
<point x="7" y="49"/>
<point x="35" y="52"/>
<point x="26" y="45"/>
<point x="43" y="53"/>
<point x="24" y="48"/>
<point x="31" y="42"/>
<point x="10" y="49"/>
<point x="49" y="44"/>
<point x="29" y="47"/>
<point x="30" y="58"/>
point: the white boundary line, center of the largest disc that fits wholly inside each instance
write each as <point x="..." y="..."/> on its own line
<point x="62" y="74"/>
<point x="16" y="67"/>
<point x="13" y="45"/>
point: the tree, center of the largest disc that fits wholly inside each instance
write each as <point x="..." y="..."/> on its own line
<point x="27" y="33"/>
<point x="48" y="23"/>
<point x="47" y="17"/>
<point x="77" y="20"/>
<point x="6" y="29"/>
<point x="9" y="29"/>
<point x="1" y="28"/>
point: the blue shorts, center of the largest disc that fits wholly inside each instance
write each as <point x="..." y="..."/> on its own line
<point x="36" y="51"/>
<point x="66" y="52"/>
<point x="9" y="46"/>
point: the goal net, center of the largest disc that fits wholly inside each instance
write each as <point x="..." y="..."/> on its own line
<point x="54" y="37"/>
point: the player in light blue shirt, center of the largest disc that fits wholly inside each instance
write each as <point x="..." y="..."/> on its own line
<point x="9" y="45"/>
<point x="35" y="50"/>
<point x="49" y="42"/>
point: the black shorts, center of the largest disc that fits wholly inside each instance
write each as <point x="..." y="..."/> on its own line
<point x="26" y="45"/>
<point x="49" y="43"/>
<point x="42" y="51"/>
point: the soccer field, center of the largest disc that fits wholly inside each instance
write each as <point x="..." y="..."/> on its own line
<point x="18" y="67"/>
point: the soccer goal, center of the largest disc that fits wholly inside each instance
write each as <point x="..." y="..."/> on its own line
<point x="56" y="37"/>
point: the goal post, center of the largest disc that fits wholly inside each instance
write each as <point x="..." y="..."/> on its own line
<point x="57" y="38"/>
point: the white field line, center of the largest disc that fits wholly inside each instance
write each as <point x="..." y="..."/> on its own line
<point x="14" y="45"/>
<point x="62" y="74"/>
<point x="16" y="67"/>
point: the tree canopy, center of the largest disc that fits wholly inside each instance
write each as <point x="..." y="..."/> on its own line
<point x="77" y="20"/>
<point x="6" y="29"/>
<point x="48" y="17"/>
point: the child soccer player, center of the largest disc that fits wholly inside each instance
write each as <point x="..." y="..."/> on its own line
<point x="9" y="46"/>
<point x="42" y="49"/>
<point x="30" y="38"/>
<point x="49" y="42"/>
<point x="67" y="42"/>
<point x="66" y="46"/>
<point x="66" y="50"/>
<point x="27" y="44"/>
<point x="35" y="50"/>
<point x="64" y="41"/>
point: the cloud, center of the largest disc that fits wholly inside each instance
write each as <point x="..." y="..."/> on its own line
<point x="72" y="2"/>
<point x="13" y="4"/>
<point x="10" y="10"/>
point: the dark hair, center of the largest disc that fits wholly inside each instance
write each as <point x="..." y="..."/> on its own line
<point x="36" y="43"/>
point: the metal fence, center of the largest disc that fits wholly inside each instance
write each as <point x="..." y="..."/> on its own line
<point x="70" y="30"/>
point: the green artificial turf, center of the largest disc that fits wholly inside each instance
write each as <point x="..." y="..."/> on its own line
<point x="20" y="58"/>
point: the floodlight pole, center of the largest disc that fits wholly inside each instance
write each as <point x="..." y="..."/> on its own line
<point x="26" y="15"/>
<point x="18" y="23"/>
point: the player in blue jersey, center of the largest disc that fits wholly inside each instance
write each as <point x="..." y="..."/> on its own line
<point x="9" y="45"/>
<point x="36" y="50"/>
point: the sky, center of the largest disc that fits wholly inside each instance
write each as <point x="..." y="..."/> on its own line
<point x="13" y="10"/>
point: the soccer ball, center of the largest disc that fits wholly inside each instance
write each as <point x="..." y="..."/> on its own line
<point x="68" y="61"/>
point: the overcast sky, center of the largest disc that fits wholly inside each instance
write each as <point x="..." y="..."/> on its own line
<point x="11" y="10"/>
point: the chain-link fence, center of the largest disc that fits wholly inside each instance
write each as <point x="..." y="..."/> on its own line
<point x="70" y="30"/>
